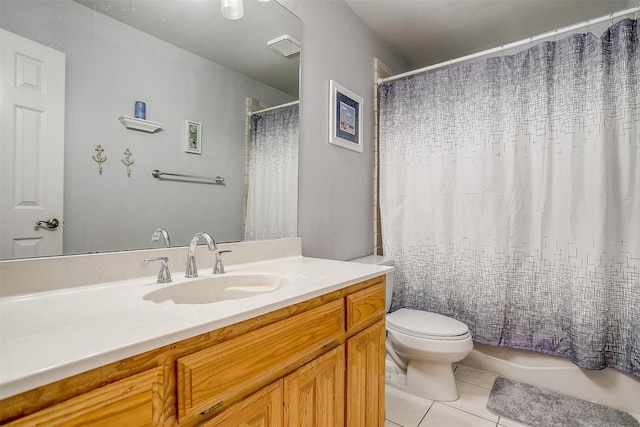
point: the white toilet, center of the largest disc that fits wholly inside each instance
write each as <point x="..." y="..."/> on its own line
<point x="421" y="347"/>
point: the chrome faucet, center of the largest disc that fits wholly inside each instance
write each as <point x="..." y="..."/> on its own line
<point x="165" y="237"/>
<point x="192" y="270"/>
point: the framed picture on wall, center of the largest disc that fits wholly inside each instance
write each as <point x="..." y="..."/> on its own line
<point x="345" y="117"/>
<point x="192" y="137"/>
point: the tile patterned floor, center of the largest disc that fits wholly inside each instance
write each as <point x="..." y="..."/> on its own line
<point x="405" y="410"/>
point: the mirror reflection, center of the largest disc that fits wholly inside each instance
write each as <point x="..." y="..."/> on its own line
<point x="199" y="76"/>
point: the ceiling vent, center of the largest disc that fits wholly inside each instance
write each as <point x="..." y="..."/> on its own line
<point x="285" y="45"/>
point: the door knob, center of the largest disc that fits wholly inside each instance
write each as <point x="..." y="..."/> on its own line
<point x="50" y="223"/>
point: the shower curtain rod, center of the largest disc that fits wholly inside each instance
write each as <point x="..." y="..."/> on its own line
<point x="529" y="40"/>
<point x="275" y="108"/>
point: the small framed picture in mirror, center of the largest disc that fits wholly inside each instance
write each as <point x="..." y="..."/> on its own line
<point x="345" y="118"/>
<point x="192" y="137"/>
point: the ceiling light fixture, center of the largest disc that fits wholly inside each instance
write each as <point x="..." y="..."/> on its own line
<point x="232" y="9"/>
<point x="285" y="45"/>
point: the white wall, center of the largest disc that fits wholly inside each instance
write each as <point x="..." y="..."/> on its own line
<point x="109" y="66"/>
<point x="336" y="184"/>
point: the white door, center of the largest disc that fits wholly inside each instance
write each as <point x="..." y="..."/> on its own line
<point x="32" y="84"/>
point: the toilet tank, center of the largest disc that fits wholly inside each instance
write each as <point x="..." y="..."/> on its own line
<point x="380" y="260"/>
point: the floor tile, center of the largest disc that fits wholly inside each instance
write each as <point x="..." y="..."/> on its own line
<point x="474" y="387"/>
<point x="473" y="399"/>
<point x="475" y="377"/>
<point x="441" y="415"/>
<point x="403" y="408"/>
<point x="504" y="422"/>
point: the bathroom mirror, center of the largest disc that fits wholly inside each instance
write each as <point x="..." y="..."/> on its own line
<point x="188" y="64"/>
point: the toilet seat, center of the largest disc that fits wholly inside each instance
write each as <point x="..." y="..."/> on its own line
<point x="424" y="324"/>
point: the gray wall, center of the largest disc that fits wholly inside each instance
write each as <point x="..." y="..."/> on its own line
<point x="336" y="184"/>
<point x="109" y="66"/>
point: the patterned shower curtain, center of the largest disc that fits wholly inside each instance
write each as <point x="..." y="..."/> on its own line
<point x="272" y="194"/>
<point x="510" y="196"/>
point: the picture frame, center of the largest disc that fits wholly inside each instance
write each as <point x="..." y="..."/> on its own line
<point x="345" y="118"/>
<point x="192" y="137"/>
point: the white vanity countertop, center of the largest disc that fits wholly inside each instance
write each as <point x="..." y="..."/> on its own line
<point x="49" y="336"/>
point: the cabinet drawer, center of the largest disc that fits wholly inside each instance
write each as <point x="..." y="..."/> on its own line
<point x="366" y="306"/>
<point x="212" y="379"/>
<point x="134" y="401"/>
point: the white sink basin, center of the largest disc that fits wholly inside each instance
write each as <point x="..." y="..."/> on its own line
<point x="222" y="287"/>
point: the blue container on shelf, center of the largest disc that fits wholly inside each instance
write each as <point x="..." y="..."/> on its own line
<point x="140" y="110"/>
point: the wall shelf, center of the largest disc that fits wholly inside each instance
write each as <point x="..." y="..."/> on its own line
<point x="139" y="124"/>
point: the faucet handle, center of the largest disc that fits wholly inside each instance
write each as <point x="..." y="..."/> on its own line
<point x="219" y="267"/>
<point x="164" y="276"/>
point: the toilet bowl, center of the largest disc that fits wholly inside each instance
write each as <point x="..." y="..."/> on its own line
<point x="421" y="347"/>
<point x="429" y="344"/>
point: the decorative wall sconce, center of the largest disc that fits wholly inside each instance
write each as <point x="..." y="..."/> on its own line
<point x="127" y="161"/>
<point x="99" y="158"/>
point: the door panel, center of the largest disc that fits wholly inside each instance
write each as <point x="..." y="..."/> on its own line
<point x="32" y="78"/>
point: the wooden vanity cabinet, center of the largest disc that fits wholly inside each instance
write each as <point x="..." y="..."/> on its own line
<point x="315" y="363"/>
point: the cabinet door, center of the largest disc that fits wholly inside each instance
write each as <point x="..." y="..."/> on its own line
<point x="134" y="401"/>
<point x="314" y="394"/>
<point x="261" y="409"/>
<point x="365" y="377"/>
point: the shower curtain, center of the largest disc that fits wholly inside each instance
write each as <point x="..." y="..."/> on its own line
<point x="272" y="193"/>
<point x="510" y="196"/>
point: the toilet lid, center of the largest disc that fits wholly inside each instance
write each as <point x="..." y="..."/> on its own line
<point x="425" y="324"/>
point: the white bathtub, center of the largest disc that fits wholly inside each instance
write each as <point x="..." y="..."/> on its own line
<point x="609" y="386"/>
